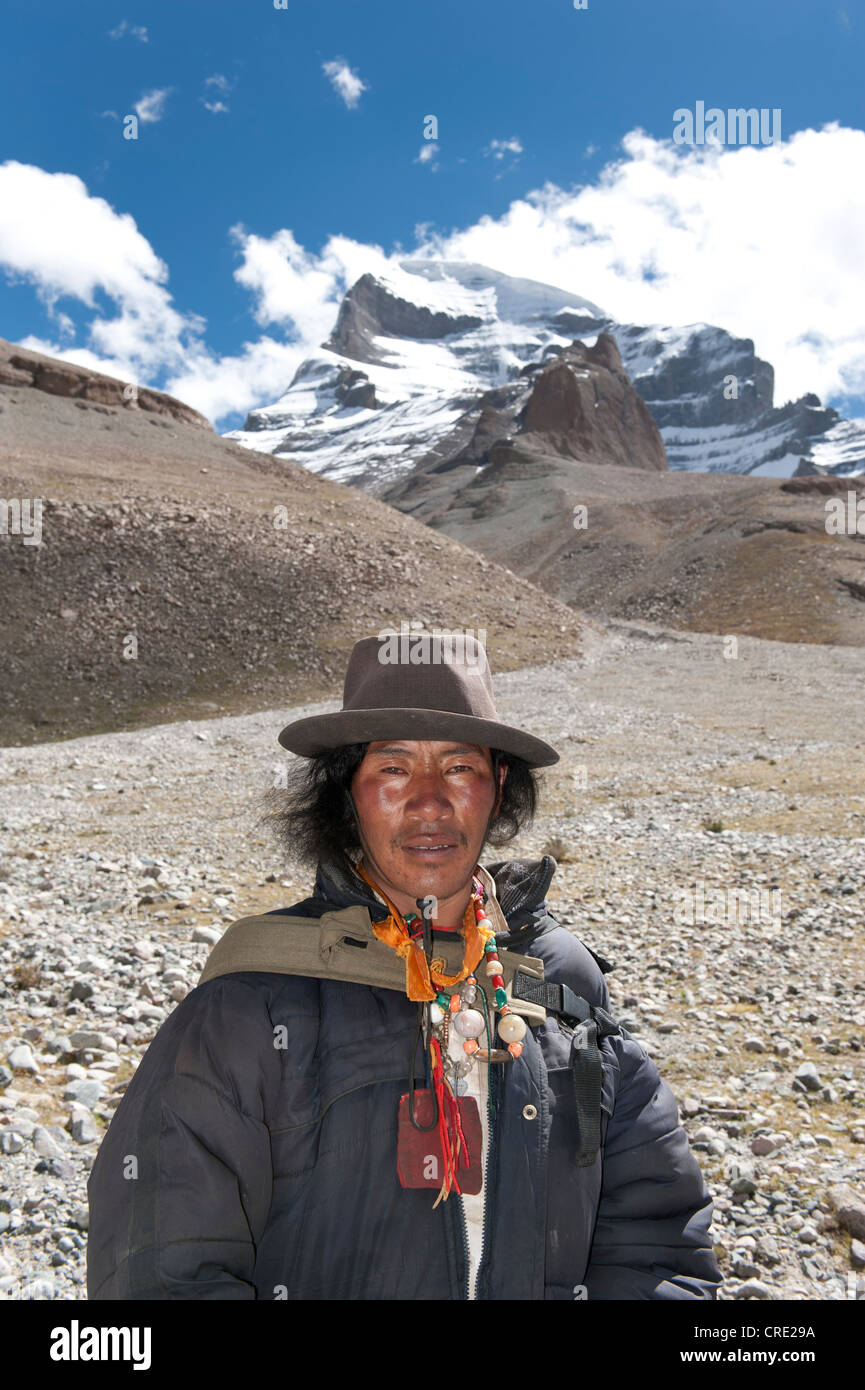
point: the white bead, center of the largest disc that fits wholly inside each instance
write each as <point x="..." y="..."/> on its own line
<point x="512" y="1028"/>
<point x="469" y="1023"/>
<point x="436" y="1013"/>
<point x="493" y="968"/>
<point x="470" y="993"/>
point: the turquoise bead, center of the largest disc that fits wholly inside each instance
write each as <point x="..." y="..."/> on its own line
<point x="490" y="946"/>
<point x="501" y="998"/>
<point x="444" y="1000"/>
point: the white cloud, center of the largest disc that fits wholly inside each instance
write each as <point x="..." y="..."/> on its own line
<point x="765" y="242"/>
<point x="428" y="155"/>
<point x="99" y="250"/>
<point x="344" y="81"/>
<point x="137" y="31"/>
<point x="151" y="106"/>
<point x="222" y="84"/>
<point x="499" y="148"/>
<point x="296" y="289"/>
<point x="224" y="386"/>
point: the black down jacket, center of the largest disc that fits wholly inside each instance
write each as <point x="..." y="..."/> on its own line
<point x="233" y="1169"/>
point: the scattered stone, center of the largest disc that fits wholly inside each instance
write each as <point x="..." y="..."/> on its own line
<point x="743" y="1183"/>
<point x="208" y="935"/>
<point x="84" y="1038"/>
<point x="762" y="1145"/>
<point x="57" y="1167"/>
<point x="766" y="1250"/>
<point x="849" y="1209"/>
<point x="753" y="1288"/>
<point x="84" y="1092"/>
<point x="82" y="1126"/>
<point x="21" y="1059"/>
<point x="808" y="1078"/>
<point x="44" y="1144"/>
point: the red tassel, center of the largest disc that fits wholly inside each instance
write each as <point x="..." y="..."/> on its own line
<point x="448" y="1125"/>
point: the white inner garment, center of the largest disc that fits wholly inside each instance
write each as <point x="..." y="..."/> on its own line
<point x="478" y="1086"/>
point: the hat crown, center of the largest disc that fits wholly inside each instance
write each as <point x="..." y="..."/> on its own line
<point x="416" y="685"/>
<point x="420" y="670"/>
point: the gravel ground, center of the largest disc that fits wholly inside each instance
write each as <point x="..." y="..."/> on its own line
<point x="688" y="777"/>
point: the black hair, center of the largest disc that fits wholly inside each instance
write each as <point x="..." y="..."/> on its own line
<point x="313" y="817"/>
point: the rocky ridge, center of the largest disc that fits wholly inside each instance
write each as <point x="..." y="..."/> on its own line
<point x="24" y="368"/>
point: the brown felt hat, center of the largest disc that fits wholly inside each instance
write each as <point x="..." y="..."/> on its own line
<point x="418" y="686"/>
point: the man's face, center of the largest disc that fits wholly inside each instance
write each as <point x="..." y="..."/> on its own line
<point x="423" y="809"/>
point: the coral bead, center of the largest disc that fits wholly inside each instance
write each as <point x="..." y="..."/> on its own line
<point x="470" y="1046"/>
<point x="469" y="1023"/>
<point x="512" y="1028"/>
<point x="454" y="1003"/>
<point x="515" y="1049"/>
<point x="498" y="981"/>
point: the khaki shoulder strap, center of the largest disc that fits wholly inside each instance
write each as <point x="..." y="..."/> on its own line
<point x="341" y="945"/>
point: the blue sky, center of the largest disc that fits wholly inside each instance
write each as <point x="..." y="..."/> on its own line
<point x="280" y="153"/>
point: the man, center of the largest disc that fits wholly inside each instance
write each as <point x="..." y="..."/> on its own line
<point x="407" y="1086"/>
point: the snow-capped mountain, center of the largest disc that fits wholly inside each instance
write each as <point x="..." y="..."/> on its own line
<point x="408" y="371"/>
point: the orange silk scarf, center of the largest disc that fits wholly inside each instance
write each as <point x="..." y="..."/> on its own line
<point x="422" y="982"/>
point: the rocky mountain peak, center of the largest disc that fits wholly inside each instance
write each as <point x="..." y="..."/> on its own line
<point x="583" y="406"/>
<point x="451" y="352"/>
<point x="372" y="310"/>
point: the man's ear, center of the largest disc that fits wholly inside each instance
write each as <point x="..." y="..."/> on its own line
<point x="502" y="774"/>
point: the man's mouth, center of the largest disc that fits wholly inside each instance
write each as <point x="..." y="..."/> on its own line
<point x="428" y="847"/>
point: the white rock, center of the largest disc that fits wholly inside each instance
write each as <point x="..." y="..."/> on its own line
<point x="21" y="1059"/>
<point x="208" y="935"/>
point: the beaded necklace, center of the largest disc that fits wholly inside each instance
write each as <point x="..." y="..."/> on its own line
<point x="452" y="1006"/>
<point x="455" y="1007"/>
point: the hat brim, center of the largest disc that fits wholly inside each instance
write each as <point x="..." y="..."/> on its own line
<point x="318" y="733"/>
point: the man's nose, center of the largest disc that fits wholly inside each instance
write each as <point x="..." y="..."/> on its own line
<point x="428" y="793"/>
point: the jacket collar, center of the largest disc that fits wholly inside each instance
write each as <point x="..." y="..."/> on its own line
<point x="519" y="885"/>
